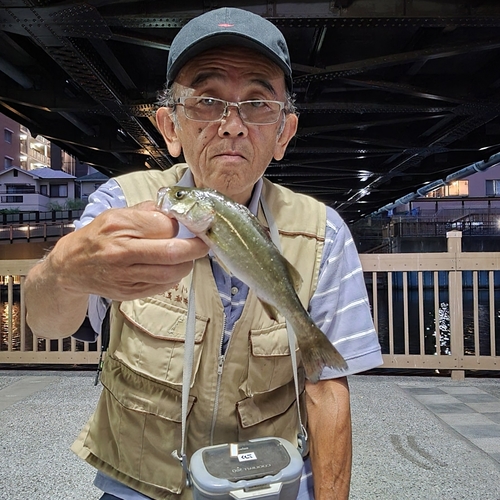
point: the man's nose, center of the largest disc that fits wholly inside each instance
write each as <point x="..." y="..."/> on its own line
<point x="232" y="123"/>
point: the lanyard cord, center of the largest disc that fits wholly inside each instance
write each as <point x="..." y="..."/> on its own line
<point x="302" y="435"/>
<point x="187" y="372"/>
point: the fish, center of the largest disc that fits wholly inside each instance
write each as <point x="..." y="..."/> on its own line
<point x="243" y="247"/>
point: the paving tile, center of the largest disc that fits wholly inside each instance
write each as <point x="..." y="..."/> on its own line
<point x="455" y="419"/>
<point x="495" y="417"/>
<point x="489" y="445"/>
<point x="436" y="399"/>
<point x="22" y="389"/>
<point x="477" y="398"/>
<point x="485" y="407"/>
<point x="461" y="390"/>
<point x="479" y="431"/>
<point x="414" y="391"/>
<point x="450" y="408"/>
<point x="496" y="456"/>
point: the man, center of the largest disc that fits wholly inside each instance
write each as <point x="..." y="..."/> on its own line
<point x="222" y="67"/>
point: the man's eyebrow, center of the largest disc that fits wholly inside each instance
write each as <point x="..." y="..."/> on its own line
<point x="204" y="76"/>
<point x="266" y="84"/>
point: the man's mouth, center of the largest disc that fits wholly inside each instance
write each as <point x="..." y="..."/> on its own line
<point x="231" y="153"/>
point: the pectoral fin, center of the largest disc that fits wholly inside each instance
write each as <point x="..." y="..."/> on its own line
<point x="270" y="310"/>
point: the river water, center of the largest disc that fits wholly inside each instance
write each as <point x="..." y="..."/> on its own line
<point x="16" y="330"/>
<point x="430" y="326"/>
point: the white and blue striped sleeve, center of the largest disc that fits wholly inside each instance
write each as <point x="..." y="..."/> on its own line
<point x="340" y="305"/>
<point x="109" y="195"/>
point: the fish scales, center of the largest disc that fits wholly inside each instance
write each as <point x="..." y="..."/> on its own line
<point x="244" y="248"/>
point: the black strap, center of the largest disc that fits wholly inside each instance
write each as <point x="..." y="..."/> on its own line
<point x="105" y="335"/>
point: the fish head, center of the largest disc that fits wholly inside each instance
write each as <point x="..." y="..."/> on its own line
<point x="190" y="206"/>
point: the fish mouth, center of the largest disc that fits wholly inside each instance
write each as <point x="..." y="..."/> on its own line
<point x="170" y="207"/>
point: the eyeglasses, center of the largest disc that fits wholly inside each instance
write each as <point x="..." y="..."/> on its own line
<point x="211" y="109"/>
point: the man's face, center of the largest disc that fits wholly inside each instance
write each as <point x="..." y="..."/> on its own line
<point x="228" y="155"/>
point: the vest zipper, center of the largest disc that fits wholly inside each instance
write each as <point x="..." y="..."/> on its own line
<point x="220" y="366"/>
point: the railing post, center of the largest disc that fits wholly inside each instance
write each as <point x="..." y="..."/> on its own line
<point x="10" y="302"/>
<point x="454" y="239"/>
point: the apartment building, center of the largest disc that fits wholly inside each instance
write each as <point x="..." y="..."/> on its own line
<point x="37" y="174"/>
<point x="477" y="193"/>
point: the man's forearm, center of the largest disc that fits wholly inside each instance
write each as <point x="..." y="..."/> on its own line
<point x="53" y="311"/>
<point x="330" y="437"/>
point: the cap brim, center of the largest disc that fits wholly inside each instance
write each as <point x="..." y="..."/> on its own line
<point x="228" y="39"/>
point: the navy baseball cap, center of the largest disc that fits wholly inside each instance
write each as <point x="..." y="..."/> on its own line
<point x="228" y="26"/>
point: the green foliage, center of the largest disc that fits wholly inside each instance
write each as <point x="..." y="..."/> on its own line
<point x="55" y="206"/>
<point x="69" y="204"/>
<point x="75" y="204"/>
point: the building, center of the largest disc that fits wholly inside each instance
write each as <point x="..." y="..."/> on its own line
<point x="87" y="184"/>
<point x="477" y="193"/>
<point x="11" y="143"/>
<point x="20" y="149"/>
<point x="37" y="175"/>
<point x="470" y="204"/>
<point x="38" y="190"/>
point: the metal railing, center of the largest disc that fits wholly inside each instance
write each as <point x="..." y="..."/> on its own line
<point x="438" y="311"/>
<point x="41" y="231"/>
<point x="21" y="218"/>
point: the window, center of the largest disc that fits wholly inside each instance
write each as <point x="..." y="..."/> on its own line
<point x="43" y="190"/>
<point x="493" y="187"/>
<point x="456" y="188"/>
<point x="7" y="135"/>
<point x="7" y="162"/>
<point x="12" y="199"/>
<point x="19" y="188"/>
<point x="58" y="190"/>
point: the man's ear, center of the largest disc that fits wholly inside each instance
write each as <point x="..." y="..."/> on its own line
<point x="166" y="126"/>
<point x="289" y="130"/>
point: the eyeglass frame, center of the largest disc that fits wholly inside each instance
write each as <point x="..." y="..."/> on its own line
<point x="227" y="104"/>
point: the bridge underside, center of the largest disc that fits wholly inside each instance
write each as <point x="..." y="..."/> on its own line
<point x="392" y="94"/>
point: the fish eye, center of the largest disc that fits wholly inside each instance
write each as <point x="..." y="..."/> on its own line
<point x="180" y="194"/>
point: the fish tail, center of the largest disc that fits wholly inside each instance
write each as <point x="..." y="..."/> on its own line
<point x="319" y="352"/>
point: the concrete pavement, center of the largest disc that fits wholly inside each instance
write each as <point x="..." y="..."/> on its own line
<point x="414" y="437"/>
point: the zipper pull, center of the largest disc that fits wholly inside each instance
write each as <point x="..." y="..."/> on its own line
<point x="220" y="365"/>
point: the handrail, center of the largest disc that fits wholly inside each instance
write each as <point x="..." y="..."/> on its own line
<point x="435" y="311"/>
<point x="41" y="231"/>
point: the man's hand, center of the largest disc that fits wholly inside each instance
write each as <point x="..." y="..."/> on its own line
<point x="123" y="254"/>
<point x="126" y="254"/>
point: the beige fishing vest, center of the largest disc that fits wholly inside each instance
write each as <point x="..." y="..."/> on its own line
<point x="137" y="422"/>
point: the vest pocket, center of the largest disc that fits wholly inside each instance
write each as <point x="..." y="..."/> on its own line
<point x="136" y="426"/>
<point x="269" y="365"/>
<point x="273" y="413"/>
<point x="152" y="339"/>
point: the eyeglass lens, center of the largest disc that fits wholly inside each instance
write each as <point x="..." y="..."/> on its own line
<point x="211" y="109"/>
